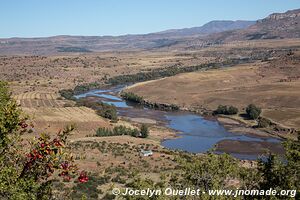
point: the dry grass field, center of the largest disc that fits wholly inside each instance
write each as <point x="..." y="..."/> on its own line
<point x="53" y="73"/>
<point x="50" y="113"/>
<point x="272" y="85"/>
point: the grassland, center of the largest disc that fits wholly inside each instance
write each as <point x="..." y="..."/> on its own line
<point x="273" y="85"/>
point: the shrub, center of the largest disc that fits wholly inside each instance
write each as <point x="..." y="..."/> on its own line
<point x="144" y="131"/>
<point x="129" y="96"/>
<point x="67" y="94"/>
<point x="225" y="110"/>
<point x="264" y="122"/>
<point x="232" y="110"/>
<point x="252" y="111"/>
<point x="103" y="109"/>
<point x="27" y="173"/>
<point x="108" y="111"/>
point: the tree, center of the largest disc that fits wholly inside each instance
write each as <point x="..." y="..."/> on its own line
<point x="252" y="111"/>
<point x="144" y="131"/>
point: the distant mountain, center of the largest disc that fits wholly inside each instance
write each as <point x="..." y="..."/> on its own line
<point x="275" y="26"/>
<point x="84" y="44"/>
<point x="211" y="27"/>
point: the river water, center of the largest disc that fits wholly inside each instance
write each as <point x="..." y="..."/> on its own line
<point x="196" y="134"/>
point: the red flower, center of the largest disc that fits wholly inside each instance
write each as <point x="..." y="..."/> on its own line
<point x="24" y="125"/>
<point x="83" y="177"/>
<point x="42" y="145"/>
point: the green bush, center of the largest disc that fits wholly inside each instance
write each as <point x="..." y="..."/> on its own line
<point x="264" y="122"/>
<point x="79" y="89"/>
<point x="129" y="96"/>
<point x="144" y="131"/>
<point x="67" y="94"/>
<point x="252" y="111"/>
<point x="117" y="130"/>
<point x="105" y="110"/>
<point x="226" y="110"/>
<point x="27" y="173"/>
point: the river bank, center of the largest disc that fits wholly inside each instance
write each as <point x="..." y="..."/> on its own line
<point x="182" y="130"/>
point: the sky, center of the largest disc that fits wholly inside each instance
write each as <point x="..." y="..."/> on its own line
<point x="41" y="18"/>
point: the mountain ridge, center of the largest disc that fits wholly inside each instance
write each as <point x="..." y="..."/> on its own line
<point x="274" y="26"/>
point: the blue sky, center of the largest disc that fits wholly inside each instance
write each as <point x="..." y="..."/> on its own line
<point x="32" y="18"/>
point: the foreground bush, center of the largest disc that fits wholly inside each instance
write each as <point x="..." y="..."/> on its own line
<point x="27" y="170"/>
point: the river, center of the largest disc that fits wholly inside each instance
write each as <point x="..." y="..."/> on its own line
<point x="196" y="134"/>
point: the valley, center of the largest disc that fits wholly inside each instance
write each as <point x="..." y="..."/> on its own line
<point x="150" y="110"/>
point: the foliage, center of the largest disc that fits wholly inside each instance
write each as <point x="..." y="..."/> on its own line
<point x="167" y="72"/>
<point x="253" y="111"/>
<point x="226" y="110"/>
<point x="117" y="130"/>
<point x="89" y="189"/>
<point x="264" y="122"/>
<point x="102" y="109"/>
<point x="144" y="131"/>
<point x="210" y="171"/>
<point x="129" y="96"/>
<point x="282" y="174"/>
<point x="79" y="89"/>
<point x="26" y="169"/>
<point x="67" y="94"/>
<point x="107" y="111"/>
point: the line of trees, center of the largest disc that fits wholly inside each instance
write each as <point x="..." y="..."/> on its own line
<point x="129" y="96"/>
<point x="169" y="71"/>
<point x="252" y="111"/>
<point x="123" y="130"/>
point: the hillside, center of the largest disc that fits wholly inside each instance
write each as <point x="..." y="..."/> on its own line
<point x="275" y="26"/>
